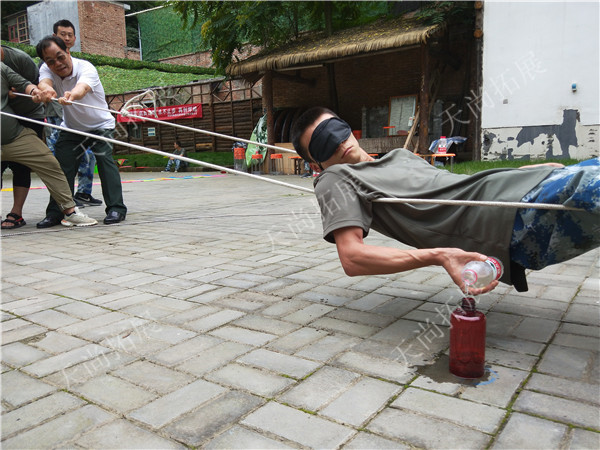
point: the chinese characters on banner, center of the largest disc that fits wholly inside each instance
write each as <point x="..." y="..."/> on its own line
<point x="191" y="111"/>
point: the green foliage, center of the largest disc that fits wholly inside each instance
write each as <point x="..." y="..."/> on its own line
<point x="116" y="80"/>
<point x="224" y="159"/>
<point x="130" y="64"/>
<point x="471" y="167"/>
<point x="227" y="27"/>
<point x="433" y="13"/>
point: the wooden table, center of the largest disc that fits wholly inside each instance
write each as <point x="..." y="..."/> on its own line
<point x="439" y="155"/>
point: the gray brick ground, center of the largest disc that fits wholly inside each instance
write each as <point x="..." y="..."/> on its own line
<point x="361" y="401"/>
<point x="214" y="337"/>
<point x="478" y="416"/>
<point x="556" y="408"/>
<point x="320" y="388"/>
<point x="169" y="407"/>
<point x="524" y="431"/>
<point x="298" y="426"/>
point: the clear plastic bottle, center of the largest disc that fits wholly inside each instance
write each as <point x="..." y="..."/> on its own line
<point x="478" y="274"/>
<point x="467" y="340"/>
<point x="442" y="145"/>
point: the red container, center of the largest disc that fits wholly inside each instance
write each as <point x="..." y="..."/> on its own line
<point x="467" y="340"/>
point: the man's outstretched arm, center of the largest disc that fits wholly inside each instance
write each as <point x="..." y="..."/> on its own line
<point x="358" y="258"/>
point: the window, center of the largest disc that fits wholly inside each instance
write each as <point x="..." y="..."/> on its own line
<point x="13" y="35"/>
<point x="134" y="130"/>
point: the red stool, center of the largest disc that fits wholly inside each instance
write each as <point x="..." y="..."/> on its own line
<point x="297" y="164"/>
<point x="276" y="163"/>
<point x="258" y="166"/>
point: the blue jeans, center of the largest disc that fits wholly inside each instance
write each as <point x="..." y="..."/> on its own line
<point x="170" y="163"/>
<point x="543" y="237"/>
<point x="85" y="173"/>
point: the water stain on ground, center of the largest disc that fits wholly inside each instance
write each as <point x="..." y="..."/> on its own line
<point x="439" y="372"/>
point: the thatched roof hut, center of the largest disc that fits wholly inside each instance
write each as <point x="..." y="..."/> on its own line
<point x="379" y="36"/>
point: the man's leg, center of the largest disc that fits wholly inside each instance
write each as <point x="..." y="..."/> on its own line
<point x="544" y="237"/>
<point x="109" y="173"/>
<point x="29" y="150"/>
<point x="21" y="185"/>
<point x="66" y="150"/>
<point x="85" y="172"/>
<point x="52" y="133"/>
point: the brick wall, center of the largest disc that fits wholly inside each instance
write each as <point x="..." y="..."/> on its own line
<point x="102" y="28"/>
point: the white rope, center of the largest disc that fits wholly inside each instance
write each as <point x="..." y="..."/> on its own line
<point x="548" y="206"/>
<point x="158" y="152"/>
<point x="126" y="113"/>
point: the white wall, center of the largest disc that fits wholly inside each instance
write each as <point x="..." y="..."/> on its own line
<point x="42" y="16"/>
<point x="532" y="53"/>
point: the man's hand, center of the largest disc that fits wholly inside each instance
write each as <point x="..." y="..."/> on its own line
<point x="77" y="93"/>
<point x="43" y="94"/>
<point x="66" y="99"/>
<point x="454" y="259"/>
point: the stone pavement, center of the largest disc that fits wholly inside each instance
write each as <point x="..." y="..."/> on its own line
<point x="215" y="316"/>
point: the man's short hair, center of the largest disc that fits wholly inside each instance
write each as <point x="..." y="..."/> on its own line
<point x="47" y="42"/>
<point x="177" y="142"/>
<point x="300" y="126"/>
<point x="63" y="23"/>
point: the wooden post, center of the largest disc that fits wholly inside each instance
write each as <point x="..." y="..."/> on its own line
<point x="424" y="101"/>
<point x="268" y="102"/>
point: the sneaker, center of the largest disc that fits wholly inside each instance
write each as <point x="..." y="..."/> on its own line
<point x="87" y="199"/>
<point x="78" y="203"/>
<point x="176" y="171"/>
<point x="78" y="219"/>
<point x="164" y="171"/>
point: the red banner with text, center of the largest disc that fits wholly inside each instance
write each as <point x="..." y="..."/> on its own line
<point x="177" y="112"/>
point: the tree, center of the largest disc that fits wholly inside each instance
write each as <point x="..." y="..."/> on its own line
<point x="228" y="27"/>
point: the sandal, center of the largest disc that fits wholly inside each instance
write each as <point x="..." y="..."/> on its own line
<point x="16" y="222"/>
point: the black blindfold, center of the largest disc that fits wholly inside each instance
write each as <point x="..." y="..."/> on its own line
<point x="327" y="137"/>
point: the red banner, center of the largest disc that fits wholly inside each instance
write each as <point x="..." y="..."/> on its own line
<point x="164" y="113"/>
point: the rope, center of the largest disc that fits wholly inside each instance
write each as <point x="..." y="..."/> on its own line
<point x="416" y="201"/>
<point x="126" y="113"/>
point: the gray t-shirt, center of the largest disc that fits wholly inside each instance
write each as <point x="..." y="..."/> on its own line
<point x="345" y="193"/>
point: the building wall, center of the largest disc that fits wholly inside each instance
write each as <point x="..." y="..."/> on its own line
<point x="42" y="16"/>
<point x="529" y="107"/>
<point x="102" y="28"/>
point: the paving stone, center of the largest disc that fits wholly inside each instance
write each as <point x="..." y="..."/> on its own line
<point x="351" y="328"/>
<point x="369" y="301"/>
<point x="523" y="431"/>
<point x="368" y="441"/>
<point x="167" y="408"/>
<point x="537" y="330"/>
<point x="153" y="377"/>
<point x="198" y="427"/>
<point x="256" y="381"/>
<point x="560" y="409"/>
<point x="425" y="432"/>
<point x="13" y="324"/>
<point x="37" y="412"/>
<point x="86" y="326"/>
<point x="63" y="360"/>
<point x="377" y="367"/>
<point x="361" y="401"/>
<point x="583" y="439"/>
<point x="296" y="340"/>
<point x="481" y="417"/>
<point x="22" y="333"/>
<point x="279" y="363"/>
<point x="18" y="354"/>
<point x="188" y="349"/>
<point x="511" y="359"/>
<point x="18" y="388"/>
<point x="399" y="331"/>
<point x="214" y="320"/>
<point x="575" y="390"/>
<point x="515" y="345"/>
<point x="328" y="347"/>
<point x="572" y="340"/>
<point x="54" y="342"/>
<point x="80" y="373"/>
<point x="308" y="314"/>
<point x="583" y="314"/>
<point x="114" y="393"/>
<point x="498" y="389"/>
<point x="243" y="336"/>
<point x="213" y="357"/>
<point x="187" y="316"/>
<point x="284" y="307"/>
<point x="581" y="330"/>
<point x="51" y="319"/>
<point x="242" y="438"/>
<point x="266" y="324"/>
<point x="60" y="430"/>
<point x="565" y="362"/>
<point x="320" y="388"/>
<point x="81" y="310"/>
<point x="111" y="436"/>
<point x="297" y="426"/>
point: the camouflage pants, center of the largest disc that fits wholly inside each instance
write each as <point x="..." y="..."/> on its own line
<point x="544" y="237"/>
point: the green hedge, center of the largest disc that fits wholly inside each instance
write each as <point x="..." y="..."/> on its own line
<point x="100" y="60"/>
<point x="152" y="160"/>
